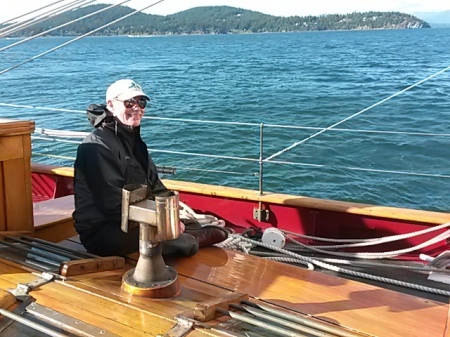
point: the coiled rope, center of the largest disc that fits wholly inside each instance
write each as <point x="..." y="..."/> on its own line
<point x="188" y="214"/>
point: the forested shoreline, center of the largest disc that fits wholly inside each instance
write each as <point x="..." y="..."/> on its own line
<point x="216" y="20"/>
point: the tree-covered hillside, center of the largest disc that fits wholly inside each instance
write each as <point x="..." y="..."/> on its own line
<point x="217" y="20"/>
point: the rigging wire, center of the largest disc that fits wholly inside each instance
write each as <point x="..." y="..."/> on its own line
<point x="357" y="130"/>
<point x="63" y="25"/>
<point x="354" y="115"/>
<point x="18" y="26"/>
<point x="78" y="38"/>
<point x="204" y="155"/>
<point x="31" y="12"/>
<point x="201" y="121"/>
<point x="184" y="168"/>
<point x="51" y="135"/>
<point x="350" y="168"/>
<point x="77" y="134"/>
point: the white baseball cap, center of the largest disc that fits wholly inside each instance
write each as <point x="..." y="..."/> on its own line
<point x="124" y="89"/>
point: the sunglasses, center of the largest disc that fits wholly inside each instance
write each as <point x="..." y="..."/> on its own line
<point x="129" y="103"/>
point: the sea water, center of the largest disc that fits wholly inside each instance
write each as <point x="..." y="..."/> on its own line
<point x="303" y="96"/>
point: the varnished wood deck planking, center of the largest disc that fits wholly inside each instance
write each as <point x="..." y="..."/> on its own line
<point x="352" y="304"/>
<point x="97" y="306"/>
<point x="360" y="306"/>
<point x="97" y="299"/>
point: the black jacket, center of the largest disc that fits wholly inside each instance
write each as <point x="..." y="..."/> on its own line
<point x="111" y="157"/>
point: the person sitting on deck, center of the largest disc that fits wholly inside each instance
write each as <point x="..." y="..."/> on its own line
<point x="112" y="156"/>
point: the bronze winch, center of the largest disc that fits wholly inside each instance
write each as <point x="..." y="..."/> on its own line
<point x="159" y="221"/>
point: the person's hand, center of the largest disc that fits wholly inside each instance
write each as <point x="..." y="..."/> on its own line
<point x="182" y="227"/>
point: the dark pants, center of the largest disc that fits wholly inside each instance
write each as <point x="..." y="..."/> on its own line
<point x="108" y="240"/>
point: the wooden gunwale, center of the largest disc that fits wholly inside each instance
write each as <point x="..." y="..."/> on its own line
<point x="394" y="213"/>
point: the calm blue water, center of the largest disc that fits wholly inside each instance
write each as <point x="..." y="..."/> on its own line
<point x="303" y="80"/>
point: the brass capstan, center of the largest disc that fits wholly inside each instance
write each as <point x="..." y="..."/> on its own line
<point x="159" y="221"/>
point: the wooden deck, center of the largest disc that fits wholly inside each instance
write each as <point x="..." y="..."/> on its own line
<point x="214" y="273"/>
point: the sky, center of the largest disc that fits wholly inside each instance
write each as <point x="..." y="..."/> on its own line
<point x="13" y="8"/>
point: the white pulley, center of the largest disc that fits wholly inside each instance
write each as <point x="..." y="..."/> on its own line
<point x="273" y="237"/>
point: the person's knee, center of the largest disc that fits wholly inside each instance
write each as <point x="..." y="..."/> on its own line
<point x="184" y="245"/>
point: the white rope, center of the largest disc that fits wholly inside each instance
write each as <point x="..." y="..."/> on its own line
<point x="367" y="242"/>
<point x="187" y="213"/>
<point x="400" y="236"/>
<point x="234" y="242"/>
<point x="420" y="267"/>
<point x="390" y="254"/>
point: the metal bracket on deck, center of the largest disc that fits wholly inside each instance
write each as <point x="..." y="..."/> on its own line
<point x="183" y="327"/>
<point x="65" y="322"/>
<point x="45" y="320"/>
<point x="203" y="312"/>
<point x="22" y="289"/>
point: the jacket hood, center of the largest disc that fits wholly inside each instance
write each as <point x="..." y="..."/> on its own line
<point x="97" y="113"/>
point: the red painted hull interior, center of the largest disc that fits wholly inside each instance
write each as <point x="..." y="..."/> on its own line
<point x="50" y="186"/>
<point x="238" y="214"/>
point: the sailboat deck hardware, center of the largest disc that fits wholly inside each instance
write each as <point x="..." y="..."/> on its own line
<point x="22" y="289"/>
<point x="183" y="326"/>
<point x="65" y="322"/>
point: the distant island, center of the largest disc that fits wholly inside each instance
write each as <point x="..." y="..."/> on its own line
<point x="216" y="20"/>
